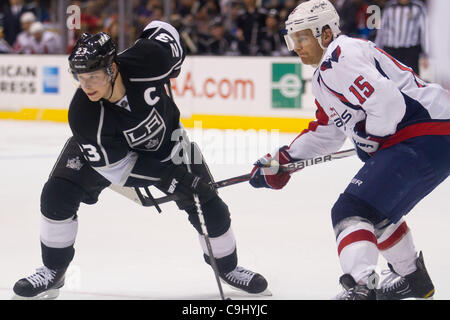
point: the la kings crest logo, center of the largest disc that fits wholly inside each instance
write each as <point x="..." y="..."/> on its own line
<point x="147" y="135"/>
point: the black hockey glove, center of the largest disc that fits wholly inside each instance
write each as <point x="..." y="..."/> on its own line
<point x="176" y="178"/>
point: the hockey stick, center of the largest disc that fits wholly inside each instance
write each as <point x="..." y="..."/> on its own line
<point x="184" y="142"/>
<point x="201" y="218"/>
<point x="293" y="166"/>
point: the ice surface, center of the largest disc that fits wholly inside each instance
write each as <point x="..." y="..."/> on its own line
<point x="124" y="251"/>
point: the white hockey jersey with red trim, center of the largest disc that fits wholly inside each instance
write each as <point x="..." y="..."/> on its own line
<point x="358" y="81"/>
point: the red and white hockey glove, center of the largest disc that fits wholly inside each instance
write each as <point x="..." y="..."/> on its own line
<point x="266" y="172"/>
<point x="366" y="144"/>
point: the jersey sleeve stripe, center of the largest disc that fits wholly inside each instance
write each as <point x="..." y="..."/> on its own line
<point x="402" y="67"/>
<point x="99" y="133"/>
<point x="340" y="96"/>
<point x="175" y="66"/>
<point x="138" y="176"/>
<point x="322" y="119"/>
<point x="154" y="32"/>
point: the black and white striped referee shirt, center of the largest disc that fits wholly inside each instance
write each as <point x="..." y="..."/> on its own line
<point x="404" y="26"/>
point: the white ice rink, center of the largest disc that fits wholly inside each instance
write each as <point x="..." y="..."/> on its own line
<point x="124" y="251"/>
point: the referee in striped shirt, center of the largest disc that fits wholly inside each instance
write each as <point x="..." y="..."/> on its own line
<point x="404" y="32"/>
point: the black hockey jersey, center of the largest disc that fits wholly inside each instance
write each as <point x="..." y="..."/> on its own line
<point x="129" y="142"/>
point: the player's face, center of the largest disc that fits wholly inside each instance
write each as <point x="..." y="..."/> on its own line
<point x="307" y="47"/>
<point x="95" y="84"/>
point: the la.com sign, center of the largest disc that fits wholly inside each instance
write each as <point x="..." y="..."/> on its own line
<point x="214" y="86"/>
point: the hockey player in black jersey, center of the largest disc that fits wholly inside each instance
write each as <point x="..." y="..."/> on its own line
<point x="123" y="122"/>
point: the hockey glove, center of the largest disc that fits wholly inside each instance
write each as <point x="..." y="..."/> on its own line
<point x="366" y="144"/>
<point x="266" y="172"/>
<point x="176" y="178"/>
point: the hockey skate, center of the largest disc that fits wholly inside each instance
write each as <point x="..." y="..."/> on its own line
<point x="414" y="285"/>
<point x="355" y="291"/>
<point x="247" y="281"/>
<point x="43" y="285"/>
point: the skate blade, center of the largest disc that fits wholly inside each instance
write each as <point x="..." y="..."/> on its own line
<point x="265" y="293"/>
<point x="430" y="298"/>
<point x="46" y="295"/>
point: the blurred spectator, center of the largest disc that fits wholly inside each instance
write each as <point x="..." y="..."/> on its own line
<point x="250" y="23"/>
<point x="273" y="4"/>
<point x="187" y="7"/>
<point x="43" y="41"/>
<point x="247" y="26"/>
<point x="203" y="20"/>
<point x="39" y="10"/>
<point x="111" y="27"/>
<point x="23" y="40"/>
<point x="11" y="19"/>
<point x="213" y="7"/>
<point x="338" y="4"/>
<point x="379" y="3"/>
<point x="354" y="17"/>
<point x="271" y="41"/>
<point x="143" y="14"/>
<point x="90" y="18"/>
<point x="231" y="12"/>
<point x="286" y="10"/>
<point x="404" y="32"/>
<point x="147" y="11"/>
<point x="188" y="32"/>
<point x="4" y="46"/>
<point x="158" y="14"/>
<point x="221" y="41"/>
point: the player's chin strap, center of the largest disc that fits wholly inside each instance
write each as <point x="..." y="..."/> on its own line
<point x="113" y="77"/>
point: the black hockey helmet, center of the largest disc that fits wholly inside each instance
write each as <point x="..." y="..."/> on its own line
<point x="92" y="52"/>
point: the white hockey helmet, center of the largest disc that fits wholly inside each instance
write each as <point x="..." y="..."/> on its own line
<point x="314" y="15"/>
<point x="27" y="17"/>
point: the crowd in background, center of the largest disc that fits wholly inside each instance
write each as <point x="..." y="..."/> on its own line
<point x="208" y="27"/>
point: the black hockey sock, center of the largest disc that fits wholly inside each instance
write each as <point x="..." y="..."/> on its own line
<point x="225" y="264"/>
<point x="57" y="258"/>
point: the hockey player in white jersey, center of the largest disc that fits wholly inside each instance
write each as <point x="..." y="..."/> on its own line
<point x="400" y="126"/>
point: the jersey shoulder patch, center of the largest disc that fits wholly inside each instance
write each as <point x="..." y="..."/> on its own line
<point x="327" y="64"/>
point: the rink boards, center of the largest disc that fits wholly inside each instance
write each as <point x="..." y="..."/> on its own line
<point x="213" y="92"/>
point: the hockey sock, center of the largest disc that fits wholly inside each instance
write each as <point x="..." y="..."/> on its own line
<point x="397" y="246"/>
<point x="57" y="239"/>
<point x="224" y="250"/>
<point x="357" y="250"/>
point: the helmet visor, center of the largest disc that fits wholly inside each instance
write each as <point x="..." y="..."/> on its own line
<point x="298" y="40"/>
<point x="92" y="79"/>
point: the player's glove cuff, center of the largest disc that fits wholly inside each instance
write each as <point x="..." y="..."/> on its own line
<point x="366" y="144"/>
<point x="266" y="172"/>
<point x="178" y="179"/>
